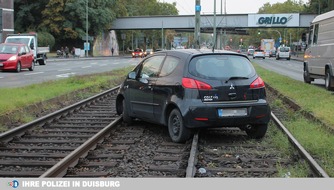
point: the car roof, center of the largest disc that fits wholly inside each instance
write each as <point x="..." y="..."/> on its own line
<point x="195" y="52"/>
<point x="13" y="44"/>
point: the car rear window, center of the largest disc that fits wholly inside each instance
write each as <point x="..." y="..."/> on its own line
<point x="221" y="67"/>
<point x="284" y="49"/>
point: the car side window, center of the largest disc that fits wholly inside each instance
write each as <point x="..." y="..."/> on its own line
<point x="316" y="31"/>
<point x="169" y="66"/>
<point x="22" y="50"/>
<point x="151" y="66"/>
<point x="27" y="49"/>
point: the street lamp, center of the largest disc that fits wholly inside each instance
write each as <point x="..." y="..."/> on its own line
<point x="280" y="36"/>
<point x="86" y="29"/>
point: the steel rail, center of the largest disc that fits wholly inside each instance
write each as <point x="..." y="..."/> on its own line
<point x="191" y="169"/>
<point x="20" y="130"/>
<point x="60" y="169"/>
<point x="316" y="168"/>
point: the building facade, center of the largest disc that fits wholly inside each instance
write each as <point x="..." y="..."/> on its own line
<point x="6" y="18"/>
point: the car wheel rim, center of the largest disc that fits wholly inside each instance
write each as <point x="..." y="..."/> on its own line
<point x="176" y="124"/>
<point x="327" y="80"/>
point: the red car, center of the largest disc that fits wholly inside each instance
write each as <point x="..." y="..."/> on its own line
<point x="138" y="53"/>
<point x="16" y="57"/>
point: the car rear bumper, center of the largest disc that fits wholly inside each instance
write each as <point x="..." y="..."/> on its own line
<point x="207" y="116"/>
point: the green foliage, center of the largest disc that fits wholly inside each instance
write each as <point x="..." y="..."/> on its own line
<point x="45" y="39"/>
<point x="320" y="6"/>
<point x="66" y="19"/>
<point x="288" y="6"/>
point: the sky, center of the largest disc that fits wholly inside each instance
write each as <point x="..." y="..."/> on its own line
<point x="187" y="7"/>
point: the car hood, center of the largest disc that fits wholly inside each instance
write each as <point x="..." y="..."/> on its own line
<point x="6" y="56"/>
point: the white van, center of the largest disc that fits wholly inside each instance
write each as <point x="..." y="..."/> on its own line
<point x="319" y="56"/>
<point x="283" y="53"/>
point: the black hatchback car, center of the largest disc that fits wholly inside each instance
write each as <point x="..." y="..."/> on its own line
<point x="193" y="89"/>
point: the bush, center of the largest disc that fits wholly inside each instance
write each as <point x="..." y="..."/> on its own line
<point x="45" y="39"/>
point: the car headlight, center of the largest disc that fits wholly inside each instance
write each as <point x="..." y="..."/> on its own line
<point x="13" y="58"/>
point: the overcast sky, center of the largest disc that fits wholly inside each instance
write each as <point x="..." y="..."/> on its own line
<point x="187" y="7"/>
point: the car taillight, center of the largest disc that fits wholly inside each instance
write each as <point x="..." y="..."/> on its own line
<point x="257" y="83"/>
<point x="195" y="84"/>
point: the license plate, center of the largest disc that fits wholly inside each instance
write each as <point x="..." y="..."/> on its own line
<point x="232" y="112"/>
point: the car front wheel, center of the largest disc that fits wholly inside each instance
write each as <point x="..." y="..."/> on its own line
<point x="177" y="131"/>
<point x="306" y="75"/>
<point x="257" y="131"/>
<point x="126" y="118"/>
<point x="18" y="67"/>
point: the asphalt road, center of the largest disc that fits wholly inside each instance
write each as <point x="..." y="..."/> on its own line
<point x="59" y="68"/>
<point x="291" y="68"/>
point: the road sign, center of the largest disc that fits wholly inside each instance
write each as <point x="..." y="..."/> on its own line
<point x="86" y="46"/>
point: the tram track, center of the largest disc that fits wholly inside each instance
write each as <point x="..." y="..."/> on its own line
<point x="88" y="139"/>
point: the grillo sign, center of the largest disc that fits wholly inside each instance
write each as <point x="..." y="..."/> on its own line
<point x="276" y="20"/>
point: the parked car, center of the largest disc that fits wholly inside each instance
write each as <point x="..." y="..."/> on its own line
<point x="16" y="57"/>
<point x="259" y="53"/>
<point x="272" y="53"/>
<point x="191" y="89"/>
<point x="319" y="55"/>
<point x="283" y="53"/>
<point x="138" y="53"/>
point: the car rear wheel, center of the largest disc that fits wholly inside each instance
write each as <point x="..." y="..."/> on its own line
<point x="257" y="131"/>
<point x="126" y="118"/>
<point x="177" y="131"/>
<point x="329" y="80"/>
<point x="32" y="66"/>
<point x="18" y="67"/>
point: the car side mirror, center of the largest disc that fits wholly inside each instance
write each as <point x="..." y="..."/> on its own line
<point x="132" y="75"/>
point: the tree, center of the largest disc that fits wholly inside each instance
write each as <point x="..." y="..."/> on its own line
<point x="27" y="14"/>
<point x="320" y="6"/>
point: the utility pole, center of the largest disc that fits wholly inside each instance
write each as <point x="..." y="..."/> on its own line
<point x="197" y="23"/>
<point x="87" y="46"/>
<point x="162" y="35"/>
<point x="214" y="27"/>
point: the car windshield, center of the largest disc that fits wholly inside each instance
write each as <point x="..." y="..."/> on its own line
<point x="221" y="67"/>
<point x="18" y="40"/>
<point x="8" y="49"/>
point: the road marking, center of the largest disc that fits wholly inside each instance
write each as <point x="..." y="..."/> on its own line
<point x="65" y="75"/>
<point x="102" y="65"/>
<point x="64" y="69"/>
<point x="86" y="67"/>
<point x="94" y="63"/>
<point x="34" y="73"/>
